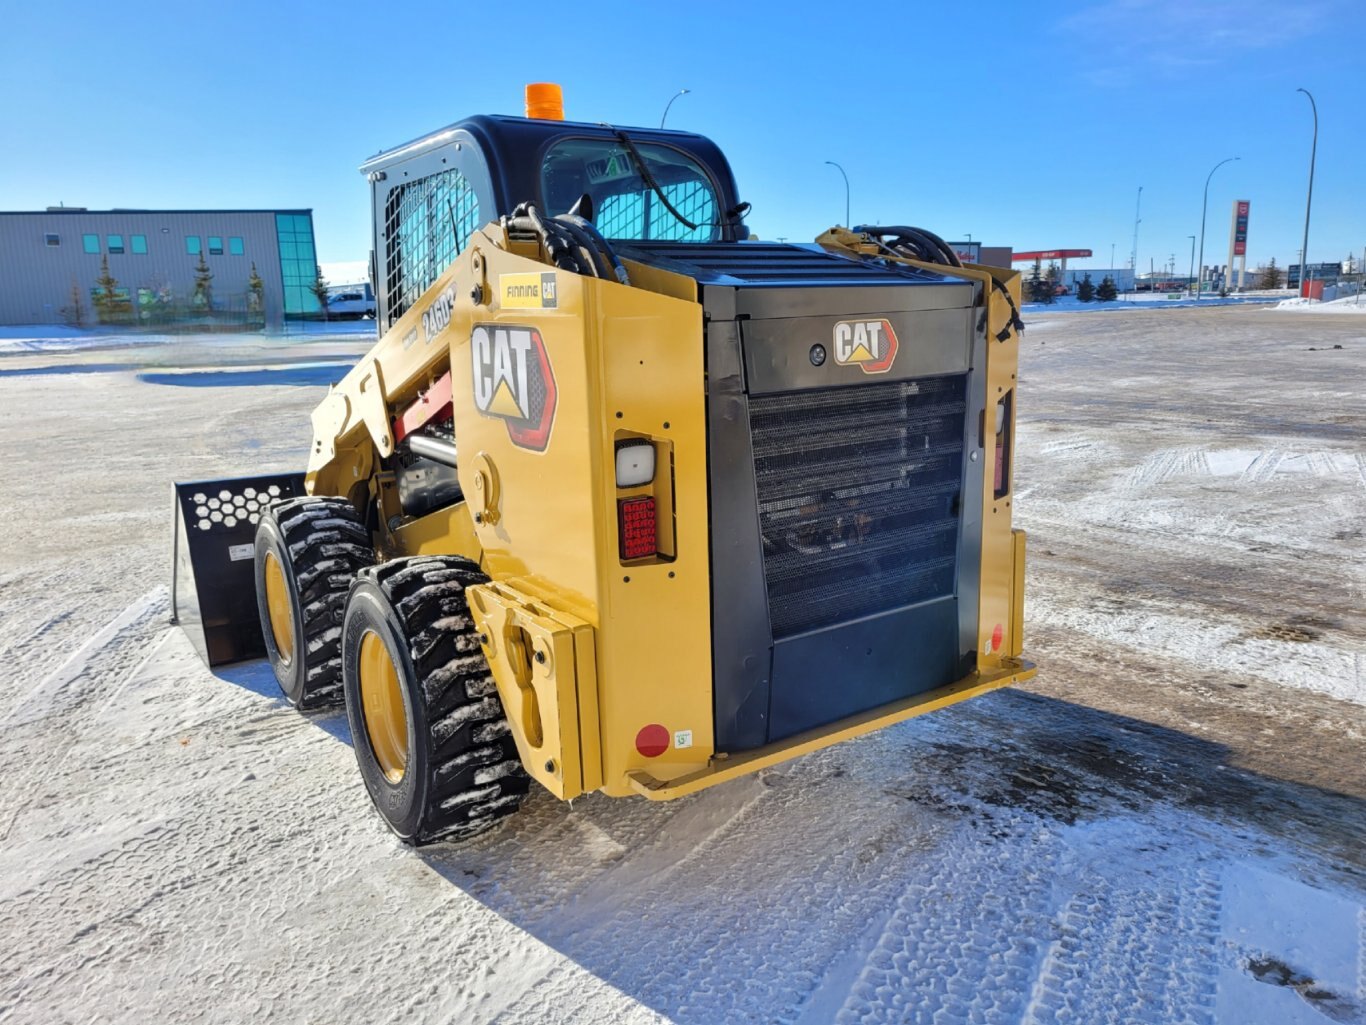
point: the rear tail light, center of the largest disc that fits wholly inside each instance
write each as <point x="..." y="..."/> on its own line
<point x="636" y="517"/>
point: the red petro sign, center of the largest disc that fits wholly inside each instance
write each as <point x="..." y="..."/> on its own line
<point x="1240" y="209"/>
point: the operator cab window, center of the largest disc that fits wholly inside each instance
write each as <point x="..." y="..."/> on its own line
<point x="624" y="206"/>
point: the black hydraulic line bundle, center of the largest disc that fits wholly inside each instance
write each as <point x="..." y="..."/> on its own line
<point x="900" y="240"/>
<point x="570" y="241"/>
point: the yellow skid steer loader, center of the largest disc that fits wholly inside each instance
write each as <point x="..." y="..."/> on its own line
<point x="624" y="500"/>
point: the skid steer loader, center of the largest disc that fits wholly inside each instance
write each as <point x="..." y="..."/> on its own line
<point x="625" y="500"/>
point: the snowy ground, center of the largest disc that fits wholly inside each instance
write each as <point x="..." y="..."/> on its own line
<point x="1168" y="825"/>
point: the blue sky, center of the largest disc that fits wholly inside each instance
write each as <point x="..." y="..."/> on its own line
<point x="1025" y="125"/>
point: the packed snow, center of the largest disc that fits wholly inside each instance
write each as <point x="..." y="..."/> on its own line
<point x="40" y="338"/>
<point x="1348" y="304"/>
<point x="1167" y="825"/>
<point x="1150" y="301"/>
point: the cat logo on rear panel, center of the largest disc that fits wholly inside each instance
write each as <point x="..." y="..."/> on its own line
<point x="513" y="381"/>
<point x="869" y="344"/>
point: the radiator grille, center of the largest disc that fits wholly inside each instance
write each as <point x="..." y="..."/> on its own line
<point x="858" y="497"/>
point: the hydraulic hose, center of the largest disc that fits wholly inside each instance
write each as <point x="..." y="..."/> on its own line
<point x="590" y="229"/>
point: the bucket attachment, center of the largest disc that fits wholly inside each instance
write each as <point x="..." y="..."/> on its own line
<point x="213" y="585"/>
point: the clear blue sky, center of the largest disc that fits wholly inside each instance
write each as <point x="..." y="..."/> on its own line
<point x="1030" y="125"/>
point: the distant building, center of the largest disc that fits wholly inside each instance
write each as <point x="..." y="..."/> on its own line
<point x="1328" y="272"/>
<point x="1123" y="277"/>
<point x="152" y="254"/>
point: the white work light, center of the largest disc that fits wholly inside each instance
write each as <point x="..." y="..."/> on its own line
<point x="635" y="463"/>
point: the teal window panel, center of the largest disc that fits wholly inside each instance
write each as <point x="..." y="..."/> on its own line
<point x="215" y="245"/>
<point x="235" y="246"/>
<point x="192" y="245"/>
<point x="91" y="243"/>
<point x="115" y="243"/>
<point x="139" y="244"/>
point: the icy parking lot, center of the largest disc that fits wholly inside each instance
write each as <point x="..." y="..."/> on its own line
<point x="1167" y="825"/>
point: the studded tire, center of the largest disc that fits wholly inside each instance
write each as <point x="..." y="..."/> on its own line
<point x="462" y="772"/>
<point x="317" y="546"/>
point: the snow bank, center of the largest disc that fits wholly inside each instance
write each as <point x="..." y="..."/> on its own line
<point x="1160" y="301"/>
<point x="57" y="338"/>
<point x="1347" y="304"/>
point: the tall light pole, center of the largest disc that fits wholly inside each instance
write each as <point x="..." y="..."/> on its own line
<point x="1204" y="208"/>
<point x="1192" y="275"/>
<point x="1309" y="199"/>
<point x="681" y="92"/>
<point x="1133" y="256"/>
<point x="846" y="192"/>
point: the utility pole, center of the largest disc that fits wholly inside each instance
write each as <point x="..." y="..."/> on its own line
<point x="1192" y="275"/>
<point x="1204" y="209"/>
<point x="1309" y="198"/>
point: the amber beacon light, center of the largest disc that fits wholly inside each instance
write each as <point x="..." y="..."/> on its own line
<point x="545" y="100"/>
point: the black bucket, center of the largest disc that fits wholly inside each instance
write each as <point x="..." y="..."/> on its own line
<point x="213" y="583"/>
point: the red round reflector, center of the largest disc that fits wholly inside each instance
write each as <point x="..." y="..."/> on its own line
<point x="653" y="740"/>
<point x="996" y="636"/>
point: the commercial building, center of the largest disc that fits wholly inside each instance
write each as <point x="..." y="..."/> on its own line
<point x="51" y="263"/>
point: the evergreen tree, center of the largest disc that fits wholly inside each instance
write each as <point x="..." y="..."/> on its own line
<point x="1106" y="291"/>
<point x="74" y="314"/>
<point x="1053" y="276"/>
<point x="203" y="285"/>
<point x="1085" y="290"/>
<point x="256" y="291"/>
<point x="106" y="299"/>
<point x="1039" y="289"/>
<point x="319" y="290"/>
<point x="1269" y="276"/>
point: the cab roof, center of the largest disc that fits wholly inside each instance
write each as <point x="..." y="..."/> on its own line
<point x="514" y="148"/>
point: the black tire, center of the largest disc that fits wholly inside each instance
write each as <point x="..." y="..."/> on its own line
<point x="463" y="772"/>
<point x="320" y="545"/>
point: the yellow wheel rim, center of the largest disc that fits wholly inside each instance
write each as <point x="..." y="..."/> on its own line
<point x="280" y="608"/>
<point x="386" y="722"/>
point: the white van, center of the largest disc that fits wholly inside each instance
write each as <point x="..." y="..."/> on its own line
<point x="351" y="302"/>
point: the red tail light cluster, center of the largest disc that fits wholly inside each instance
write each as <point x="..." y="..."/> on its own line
<point x="637" y="521"/>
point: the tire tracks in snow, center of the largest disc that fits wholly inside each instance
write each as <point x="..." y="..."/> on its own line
<point x="52" y="718"/>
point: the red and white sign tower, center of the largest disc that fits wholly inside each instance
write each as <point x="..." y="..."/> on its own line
<point x="1237" y="242"/>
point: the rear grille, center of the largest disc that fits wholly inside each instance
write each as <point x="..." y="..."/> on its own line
<point x="858" y="498"/>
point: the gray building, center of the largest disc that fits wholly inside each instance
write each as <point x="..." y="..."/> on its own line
<point x="50" y="259"/>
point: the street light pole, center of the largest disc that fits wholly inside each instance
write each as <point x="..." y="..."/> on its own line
<point x="1309" y="199"/>
<point x="1133" y="257"/>
<point x="681" y="92"/>
<point x="846" y="192"/>
<point x="1204" y="209"/>
<point x="1192" y="274"/>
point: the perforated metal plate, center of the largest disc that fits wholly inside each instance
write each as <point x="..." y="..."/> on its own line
<point x="213" y="588"/>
